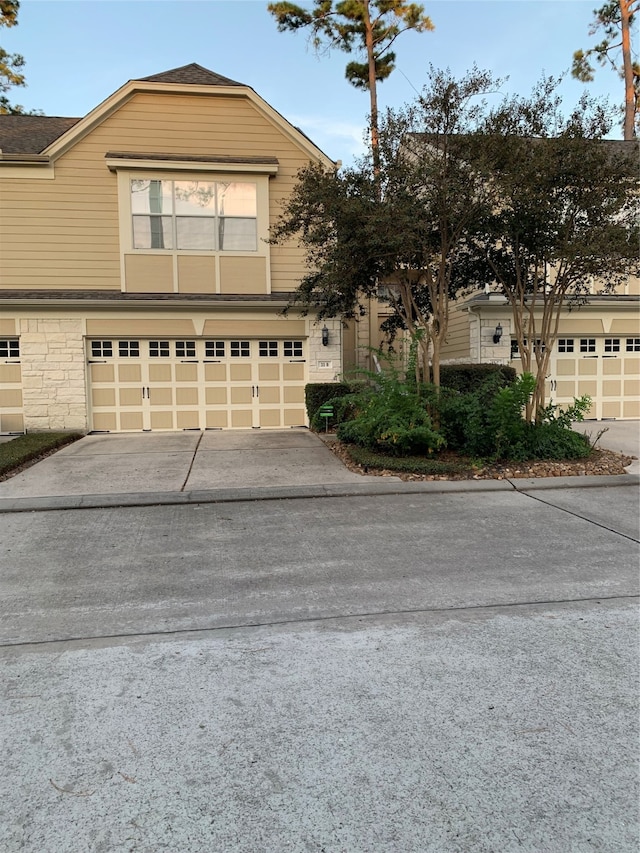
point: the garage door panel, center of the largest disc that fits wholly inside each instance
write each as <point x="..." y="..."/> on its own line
<point x="240" y="372"/>
<point x="270" y="418"/>
<point x="241" y="396"/>
<point x="160" y="373"/>
<point x="216" y="396"/>
<point x="188" y="420"/>
<point x="187" y="396"/>
<point x="269" y="372"/>
<point x="294" y="417"/>
<point x="631" y="409"/>
<point x="103" y="397"/>
<point x="588" y="367"/>
<point x="611" y="366"/>
<point x="186" y="372"/>
<point x="242" y="418"/>
<point x="162" y="420"/>
<point x="216" y="420"/>
<point x="102" y="373"/>
<point x="293" y="372"/>
<point x="215" y="372"/>
<point x="131" y="421"/>
<point x="161" y="396"/>
<point x="11" y="422"/>
<point x="129" y="373"/>
<point x="105" y="421"/>
<point x="611" y="388"/>
<point x="632" y="387"/>
<point x="632" y="365"/>
<point x="11" y="398"/>
<point x="269" y="394"/>
<point x="10" y="373"/>
<point x="130" y="396"/>
<point x="611" y="409"/>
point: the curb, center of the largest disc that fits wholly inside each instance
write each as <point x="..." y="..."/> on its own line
<point x="338" y="490"/>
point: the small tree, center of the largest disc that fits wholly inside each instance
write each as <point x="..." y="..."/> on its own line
<point x="615" y="19"/>
<point x="566" y="222"/>
<point x="402" y="220"/>
<point x="11" y="64"/>
<point x="368" y="26"/>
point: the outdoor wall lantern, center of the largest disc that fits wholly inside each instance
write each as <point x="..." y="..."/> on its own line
<point x="497" y="334"/>
<point x="325" y="336"/>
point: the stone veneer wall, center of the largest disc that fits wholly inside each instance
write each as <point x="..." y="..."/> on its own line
<point x="331" y="353"/>
<point x="53" y="374"/>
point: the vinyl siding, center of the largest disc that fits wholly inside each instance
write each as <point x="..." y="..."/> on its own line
<point x="63" y="233"/>
<point x="457" y="344"/>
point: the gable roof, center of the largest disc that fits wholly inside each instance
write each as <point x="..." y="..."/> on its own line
<point x="192" y="74"/>
<point x="22" y="134"/>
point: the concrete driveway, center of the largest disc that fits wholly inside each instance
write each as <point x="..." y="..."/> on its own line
<point x="181" y="461"/>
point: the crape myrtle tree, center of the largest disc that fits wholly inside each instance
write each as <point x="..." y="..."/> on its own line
<point x="403" y="220"/>
<point x="366" y="26"/>
<point x="614" y="20"/>
<point x="567" y="218"/>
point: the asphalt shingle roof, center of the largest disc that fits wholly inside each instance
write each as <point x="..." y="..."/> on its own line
<point x="192" y="74"/>
<point x="31" y="134"/>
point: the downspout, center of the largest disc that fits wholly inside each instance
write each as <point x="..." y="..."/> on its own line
<point x="471" y="310"/>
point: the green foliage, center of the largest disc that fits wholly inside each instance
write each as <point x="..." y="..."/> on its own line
<point x="392" y="419"/>
<point x="407" y="464"/>
<point x="11" y="64"/>
<point x="26" y="448"/>
<point x="316" y="394"/>
<point x="469" y="377"/>
<point x="488" y="423"/>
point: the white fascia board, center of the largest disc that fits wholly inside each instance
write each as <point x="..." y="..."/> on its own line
<point x="126" y="164"/>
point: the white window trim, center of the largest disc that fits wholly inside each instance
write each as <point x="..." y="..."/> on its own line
<point x="125" y="216"/>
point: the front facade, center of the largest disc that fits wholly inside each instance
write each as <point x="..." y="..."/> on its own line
<point x="138" y="290"/>
<point x="597" y="350"/>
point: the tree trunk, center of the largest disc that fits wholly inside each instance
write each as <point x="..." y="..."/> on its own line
<point x="627" y="64"/>
<point x="373" y="93"/>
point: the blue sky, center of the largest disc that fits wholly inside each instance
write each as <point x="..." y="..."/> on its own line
<point x="80" y="51"/>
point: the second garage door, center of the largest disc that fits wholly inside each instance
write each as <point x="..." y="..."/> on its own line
<point x="145" y="384"/>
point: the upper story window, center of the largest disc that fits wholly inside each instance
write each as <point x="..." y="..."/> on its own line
<point x="194" y="215"/>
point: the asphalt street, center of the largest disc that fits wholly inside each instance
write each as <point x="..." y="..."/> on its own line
<point x="412" y="672"/>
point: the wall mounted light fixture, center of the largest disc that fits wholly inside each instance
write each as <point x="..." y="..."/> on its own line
<point x="325" y="336"/>
<point x="497" y="334"/>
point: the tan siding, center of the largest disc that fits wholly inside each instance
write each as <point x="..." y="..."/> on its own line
<point x="139" y="328"/>
<point x="64" y="233"/>
<point x="282" y="328"/>
<point x="196" y="274"/>
<point x="149" y="273"/>
<point x="243" y="275"/>
<point x="458" y="343"/>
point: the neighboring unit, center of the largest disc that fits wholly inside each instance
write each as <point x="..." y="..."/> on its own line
<point x="138" y="289"/>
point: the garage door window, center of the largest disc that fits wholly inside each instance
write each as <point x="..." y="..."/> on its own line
<point x="185" y="349"/>
<point x="293" y="349"/>
<point x="240" y="349"/>
<point x="268" y="349"/>
<point x="587" y="344"/>
<point x="159" y="349"/>
<point x="565" y="344"/>
<point x="101" y="349"/>
<point x="9" y="348"/>
<point x="214" y="349"/>
<point x="129" y="349"/>
<point x="633" y="344"/>
<point x="612" y="344"/>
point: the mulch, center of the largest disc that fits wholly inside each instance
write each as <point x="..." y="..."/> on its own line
<point x="599" y="463"/>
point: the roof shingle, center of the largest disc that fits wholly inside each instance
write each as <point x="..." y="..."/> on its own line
<point x="192" y="74"/>
<point x="31" y="134"/>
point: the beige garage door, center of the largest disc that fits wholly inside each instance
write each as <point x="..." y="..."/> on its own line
<point x="605" y="368"/>
<point x="142" y="384"/>
<point x="11" y="417"/>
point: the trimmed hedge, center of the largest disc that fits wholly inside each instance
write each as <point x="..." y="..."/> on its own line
<point x="406" y="464"/>
<point x="469" y="377"/>
<point x="316" y="394"/>
<point x="27" y="448"/>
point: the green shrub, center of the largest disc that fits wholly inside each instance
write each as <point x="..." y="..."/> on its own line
<point x="407" y="464"/>
<point x="470" y="377"/>
<point x="25" y="448"/>
<point x="316" y="394"/>
<point x="390" y="418"/>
